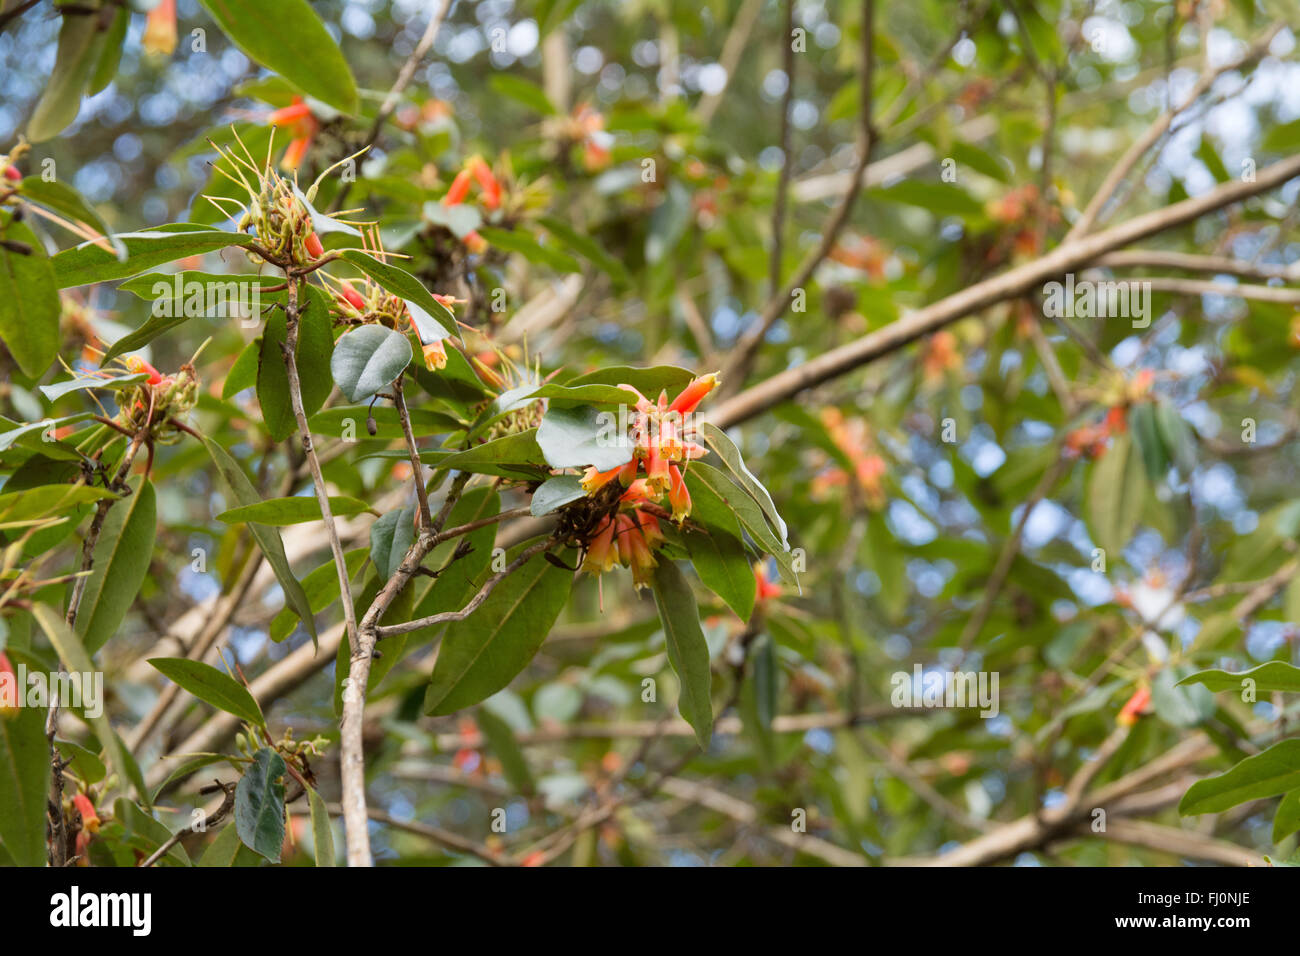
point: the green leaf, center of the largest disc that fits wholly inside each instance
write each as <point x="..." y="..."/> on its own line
<point x="723" y="566"/>
<point x="527" y="245"/>
<point x="391" y="538"/>
<point x="322" y="589"/>
<point x="1267" y="774"/>
<point x="1180" y="706"/>
<point x="586" y="247"/>
<point x="1287" y="819"/>
<point x="511" y="456"/>
<point x="242" y="492"/>
<point x="259" y="805"/>
<point x="522" y="91"/>
<point x="29" y="303"/>
<point x="29" y="433"/>
<point x="1142" y="419"/>
<point x="577" y="437"/>
<point x="1275" y="675"/>
<point x="432" y="318"/>
<point x="227" y="851"/>
<point x="87" y="263"/>
<point x="717" y="439"/>
<point x="942" y="199"/>
<point x="555" y="493"/>
<point x="46" y="500"/>
<point x="688" y="652"/>
<point x="76" y="661"/>
<point x="243" y="374"/>
<point x="24" y="784"/>
<point x="66" y="201"/>
<point x="288" y="37"/>
<point x="648" y="381"/>
<point x="706" y="482"/>
<point x="142" y="832"/>
<point x="110" y="55"/>
<point x="211" y="685"/>
<point x="121" y="562"/>
<point x="278" y="512"/>
<point x="59" y="389"/>
<point x="1116" y="491"/>
<point x="483" y="653"/>
<point x="502" y="741"/>
<point x="424" y="422"/>
<point x="61" y="100"/>
<point x="368" y="359"/>
<point x="322" y="831"/>
<point x="85" y="763"/>
<point x="315" y="345"/>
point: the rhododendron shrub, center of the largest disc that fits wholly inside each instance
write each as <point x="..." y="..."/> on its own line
<point x="547" y="433"/>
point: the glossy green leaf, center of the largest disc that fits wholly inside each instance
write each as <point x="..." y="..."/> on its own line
<point x="688" y="652"/>
<point x="723" y="566"/>
<point x="24" y="784"/>
<point x="211" y="685"/>
<point x="1266" y="774"/>
<point x="242" y="492"/>
<point x="277" y="512"/>
<point x="1275" y="675"/>
<point x="288" y="37"/>
<point x="582" y="436"/>
<point x="121" y="563"/>
<point x="259" y="805"/>
<point x="29" y="302"/>
<point x="483" y="653"/>
<point x="368" y="359"/>
<point x="555" y="493"/>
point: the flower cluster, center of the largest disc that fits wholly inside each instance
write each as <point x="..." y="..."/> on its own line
<point x="475" y="170"/>
<point x="159" y="397"/>
<point x="664" y="439"/>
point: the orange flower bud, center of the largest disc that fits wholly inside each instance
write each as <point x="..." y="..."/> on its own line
<point x="476" y="243"/>
<point x="12" y="173"/>
<point x="350" y="295"/>
<point x="313" y="246"/>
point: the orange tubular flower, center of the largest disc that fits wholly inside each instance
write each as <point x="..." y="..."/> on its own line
<point x="459" y="189"/>
<point x="678" y="496"/>
<point x="89" y="818"/>
<point x="302" y="125"/>
<point x="312" y="244"/>
<point x="351" y="296"/>
<point x="12" y="174"/>
<point x="693" y="394"/>
<point x="602" y="554"/>
<point x="634" y="551"/>
<point x="486" y="181"/>
<point x="1135" y="707"/>
<point x="435" y="355"/>
<point x="160" y="29"/>
<point x="139" y="366"/>
<point x="594" y="480"/>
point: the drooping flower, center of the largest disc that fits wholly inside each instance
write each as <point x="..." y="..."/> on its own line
<point x="678" y="496"/>
<point x="302" y="126"/>
<point x="160" y="30"/>
<point x="89" y="817"/>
